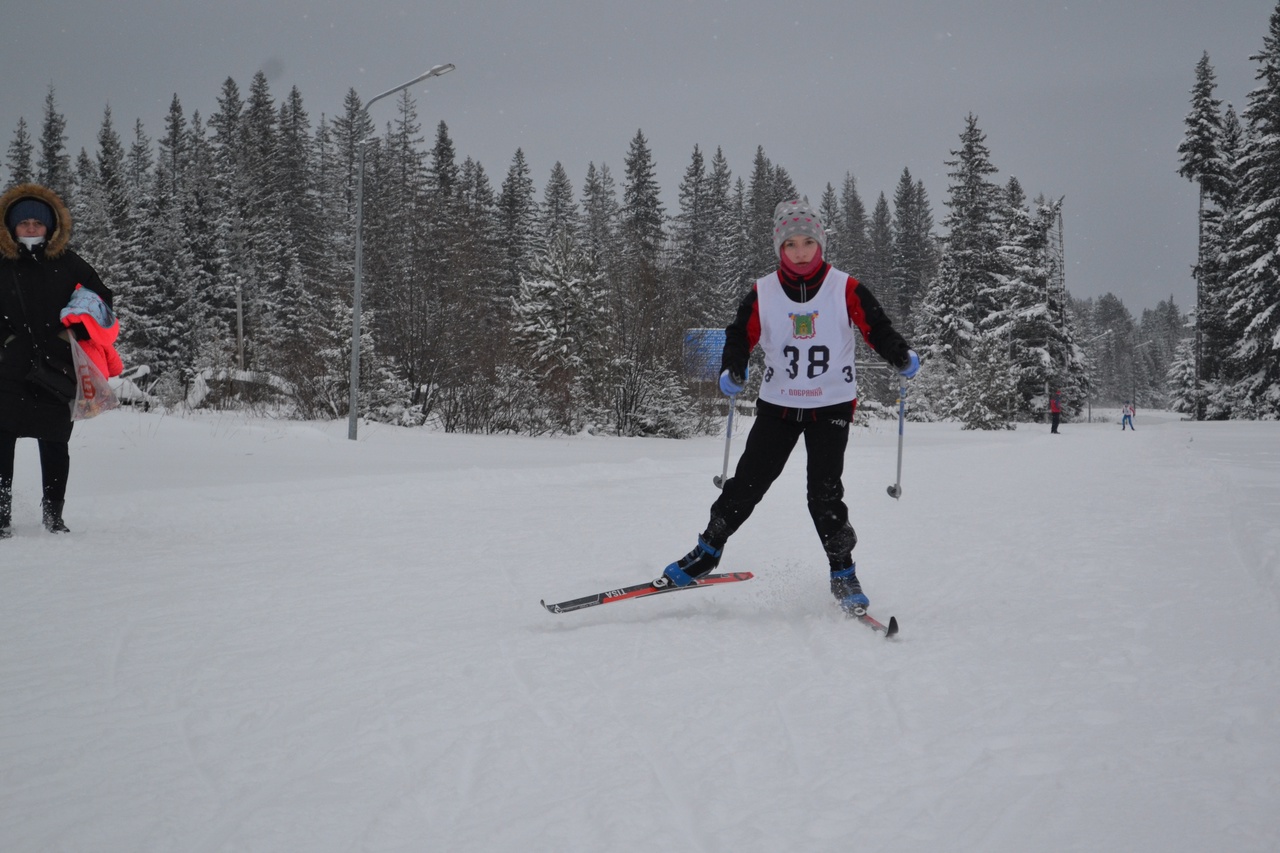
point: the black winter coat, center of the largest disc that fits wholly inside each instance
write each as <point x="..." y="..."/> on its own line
<point x="34" y="288"/>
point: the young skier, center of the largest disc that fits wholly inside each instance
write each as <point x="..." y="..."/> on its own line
<point x="1055" y="412"/>
<point x="803" y="317"/>
<point x="1126" y="416"/>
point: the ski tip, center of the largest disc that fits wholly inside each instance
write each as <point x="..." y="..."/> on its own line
<point x="892" y="630"/>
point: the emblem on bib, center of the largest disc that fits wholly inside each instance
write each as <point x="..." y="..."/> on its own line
<point x="804" y="326"/>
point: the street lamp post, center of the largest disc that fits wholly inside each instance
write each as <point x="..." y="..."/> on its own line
<point x="353" y="408"/>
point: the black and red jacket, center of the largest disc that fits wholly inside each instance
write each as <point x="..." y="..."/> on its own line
<point x="865" y="314"/>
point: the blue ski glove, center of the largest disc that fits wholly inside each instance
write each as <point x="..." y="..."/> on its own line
<point x="912" y="368"/>
<point x="732" y="383"/>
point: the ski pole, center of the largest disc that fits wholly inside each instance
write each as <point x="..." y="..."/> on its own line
<point x="895" y="491"/>
<point x="728" y="434"/>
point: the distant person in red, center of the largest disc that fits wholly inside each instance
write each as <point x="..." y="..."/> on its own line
<point x="1126" y="418"/>
<point x="1055" y="412"/>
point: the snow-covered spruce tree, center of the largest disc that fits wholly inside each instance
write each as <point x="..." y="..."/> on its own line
<point x="350" y="130"/>
<point x="1022" y="292"/>
<point x="961" y="295"/>
<point x="155" y="259"/>
<point x="1253" y="365"/>
<point x="642" y="216"/>
<point x="1181" y="378"/>
<point x="829" y="212"/>
<point x="399" y="256"/>
<point x="641" y="221"/>
<point x="783" y="188"/>
<point x="1032" y="317"/>
<point x="560" y="321"/>
<point x="726" y="252"/>
<point x="559" y="208"/>
<point x="303" y="314"/>
<point x="325" y="392"/>
<point x="468" y="339"/>
<point x="985" y="394"/>
<point x="915" y="257"/>
<point x="879" y="263"/>
<point x="761" y="199"/>
<point x="232" y="201"/>
<point x="518" y="225"/>
<point x="155" y="251"/>
<point x="1203" y="164"/>
<point x="1122" y="364"/>
<point x="110" y="218"/>
<point x="943" y="336"/>
<point x="338" y="145"/>
<point x="1220" y="229"/>
<point x="692" y="231"/>
<point x="647" y="336"/>
<point x="479" y="259"/>
<point x="599" y="225"/>
<point x="206" y="226"/>
<point x="455" y="240"/>
<point x="854" y="247"/>
<point x="264" y="231"/>
<point x="1166" y="327"/>
<point x="53" y="163"/>
<point x="20" y="157"/>
<point x="113" y="213"/>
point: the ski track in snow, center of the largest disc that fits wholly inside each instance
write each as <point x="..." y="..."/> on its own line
<point x="261" y="636"/>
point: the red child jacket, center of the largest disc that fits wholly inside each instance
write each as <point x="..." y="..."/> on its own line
<point x="100" y="345"/>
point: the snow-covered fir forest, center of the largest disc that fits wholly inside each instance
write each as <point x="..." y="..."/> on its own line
<point x="496" y="305"/>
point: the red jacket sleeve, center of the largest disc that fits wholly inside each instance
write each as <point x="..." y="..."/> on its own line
<point x="866" y="315"/>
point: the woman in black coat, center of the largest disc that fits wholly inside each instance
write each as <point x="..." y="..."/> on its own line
<point x="38" y="275"/>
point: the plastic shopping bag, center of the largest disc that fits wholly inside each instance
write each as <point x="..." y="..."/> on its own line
<point x="93" y="395"/>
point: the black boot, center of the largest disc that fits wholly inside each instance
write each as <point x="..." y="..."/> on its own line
<point x="6" y="509"/>
<point x="52" y="517"/>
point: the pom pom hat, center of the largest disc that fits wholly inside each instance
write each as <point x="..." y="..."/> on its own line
<point x="796" y="217"/>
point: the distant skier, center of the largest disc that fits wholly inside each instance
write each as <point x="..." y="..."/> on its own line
<point x="804" y="317"/>
<point x="1127" y="416"/>
<point x="1055" y="412"/>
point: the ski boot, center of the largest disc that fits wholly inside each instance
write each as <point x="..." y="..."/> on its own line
<point x="702" y="560"/>
<point x="848" y="592"/>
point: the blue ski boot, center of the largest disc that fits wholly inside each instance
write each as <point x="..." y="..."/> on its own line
<point x="702" y="560"/>
<point x="847" y="590"/>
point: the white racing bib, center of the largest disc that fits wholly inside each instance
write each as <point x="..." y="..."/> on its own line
<point x="808" y="347"/>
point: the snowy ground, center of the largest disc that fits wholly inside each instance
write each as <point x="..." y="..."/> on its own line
<point x="263" y="637"/>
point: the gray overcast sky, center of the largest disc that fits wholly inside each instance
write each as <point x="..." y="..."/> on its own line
<point x="1078" y="98"/>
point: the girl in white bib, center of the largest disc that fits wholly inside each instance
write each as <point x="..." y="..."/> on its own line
<point x="803" y="317"/>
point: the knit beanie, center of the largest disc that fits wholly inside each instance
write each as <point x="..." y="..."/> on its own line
<point x="796" y="216"/>
<point x="29" y="208"/>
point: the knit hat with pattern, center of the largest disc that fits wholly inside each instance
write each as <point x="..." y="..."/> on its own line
<point x="796" y="216"/>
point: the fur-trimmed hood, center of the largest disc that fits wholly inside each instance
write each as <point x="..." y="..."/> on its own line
<point x="56" y="242"/>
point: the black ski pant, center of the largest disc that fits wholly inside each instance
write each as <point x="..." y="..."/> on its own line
<point x="769" y="444"/>
<point x="55" y="465"/>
